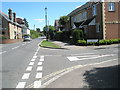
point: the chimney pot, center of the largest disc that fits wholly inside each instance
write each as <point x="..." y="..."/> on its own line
<point x="10" y="13"/>
<point x="14" y="17"/>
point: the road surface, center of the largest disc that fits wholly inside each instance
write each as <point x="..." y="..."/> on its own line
<point x="26" y="65"/>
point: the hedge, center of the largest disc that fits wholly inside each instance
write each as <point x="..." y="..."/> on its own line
<point x="101" y="42"/>
<point x="62" y="35"/>
<point x="77" y="34"/>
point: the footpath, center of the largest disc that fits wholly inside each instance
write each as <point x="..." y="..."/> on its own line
<point x="98" y="75"/>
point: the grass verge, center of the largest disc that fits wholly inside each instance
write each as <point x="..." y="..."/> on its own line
<point x="49" y="44"/>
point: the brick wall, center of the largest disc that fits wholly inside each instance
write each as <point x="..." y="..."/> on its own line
<point x="112" y="30"/>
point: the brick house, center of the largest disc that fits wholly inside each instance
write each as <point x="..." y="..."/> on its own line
<point x="10" y="28"/>
<point x="97" y="19"/>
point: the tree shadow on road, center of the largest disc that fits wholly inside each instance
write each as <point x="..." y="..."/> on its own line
<point x="104" y="77"/>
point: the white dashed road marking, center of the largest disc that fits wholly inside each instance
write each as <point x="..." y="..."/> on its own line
<point x="41" y="59"/>
<point x="33" y="59"/>
<point x="39" y="63"/>
<point x="37" y="84"/>
<point x="21" y="85"/>
<point x="38" y="75"/>
<point x="29" y="68"/>
<point x="26" y="76"/>
<point x="39" y="68"/>
<point x="31" y="63"/>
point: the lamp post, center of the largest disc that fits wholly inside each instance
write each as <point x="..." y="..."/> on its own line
<point x="46" y="23"/>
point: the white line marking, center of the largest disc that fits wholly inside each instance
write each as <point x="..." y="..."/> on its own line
<point x="35" y="53"/>
<point x="33" y="59"/>
<point x="39" y="63"/>
<point x="3" y="52"/>
<point x="39" y="75"/>
<point x="41" y="59"/>
<point x="29" y="68"/>
<point x="16" y="47"/>
<point x="21" y="85"/>
<point x="69" y="70"/>
<point x="39" y="68"/>
<point x="31" y="63"/>
<point x="26" y="76"/>
<point x="34" y="56"/>
<point x="37" y="84"/>
<point x="23" y="44"/>
<point x="82" y="54"/>
<point x="76" y="58"/>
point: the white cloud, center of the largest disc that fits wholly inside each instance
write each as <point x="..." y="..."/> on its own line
<point x="39" y="20"/>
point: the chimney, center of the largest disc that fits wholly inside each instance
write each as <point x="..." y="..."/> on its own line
<point x="10" y="13"/>
<point x="14" y="17"/>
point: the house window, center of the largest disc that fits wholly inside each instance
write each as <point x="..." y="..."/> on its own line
<point x="94" y="10"/>
<point x="111" y="6"/>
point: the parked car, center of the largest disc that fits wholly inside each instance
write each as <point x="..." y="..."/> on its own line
<point x="27" y="38"/>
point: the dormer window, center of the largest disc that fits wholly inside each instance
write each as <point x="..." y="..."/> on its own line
<point x="111" y="6"/>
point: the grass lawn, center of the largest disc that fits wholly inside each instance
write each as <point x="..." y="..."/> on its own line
<point x="49" y="44"/>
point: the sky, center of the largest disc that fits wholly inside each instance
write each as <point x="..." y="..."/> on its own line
<point x="34" y="12"/>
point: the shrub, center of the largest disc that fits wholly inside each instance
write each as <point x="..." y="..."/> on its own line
<point x="77" y="34"/>
<point x="34" y="34"/>
<point x="81" y="42"/>
<point x="59" y="36"/>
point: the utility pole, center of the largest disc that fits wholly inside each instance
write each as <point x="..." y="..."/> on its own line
<point x="46" y="23"/>
<point x="34" y="27"/>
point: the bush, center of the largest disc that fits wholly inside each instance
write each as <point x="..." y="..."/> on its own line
<point x="81" y="42"/>
<point x="58" y="36"/>
<point x="34" y="34"/>
<point x="107" y="42"/>
<point x="62" y="35"/>
<point x="77" y="34"/>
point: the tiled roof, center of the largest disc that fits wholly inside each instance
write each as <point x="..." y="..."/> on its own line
<point x="80" y="9"/>
<point x="7" y="18"/>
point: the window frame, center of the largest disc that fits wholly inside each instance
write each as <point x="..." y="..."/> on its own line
<point x="111" y="6"/>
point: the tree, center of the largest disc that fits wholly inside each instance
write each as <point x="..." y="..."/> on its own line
<point x="63" y="20"/>
<point x="26" y="22"/>
<point x="38" y="29"/>
<point x="50" y="31"/>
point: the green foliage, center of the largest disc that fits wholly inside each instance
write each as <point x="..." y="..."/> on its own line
<point x="59" y="36"/>
<point x="51" y="30"/>
<point x="26" y="22"/>
<point x="107" y="42"/>
<point x="49" y="44"/>
<point x="34" y="34"/>
<point x="38" y="29"/>
<point x="81" y="42"/>
<point x="63" y="20"/>
<point x="101" y="42"/>
<point x="77" y="34"/>
<point x="62" y="35"/>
